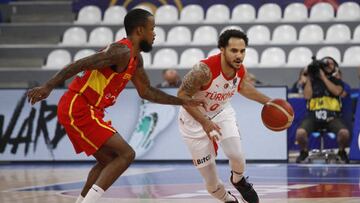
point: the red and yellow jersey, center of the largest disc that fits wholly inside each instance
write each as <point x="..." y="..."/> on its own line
<point x="101" y="87"/>
<point x="220" y="90"/>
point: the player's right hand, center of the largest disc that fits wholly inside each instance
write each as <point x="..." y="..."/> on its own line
<point x="212" y="130"/>
<point x="38" y="93"/>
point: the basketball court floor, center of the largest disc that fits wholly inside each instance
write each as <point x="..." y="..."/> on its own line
<point x="180" y="183"/>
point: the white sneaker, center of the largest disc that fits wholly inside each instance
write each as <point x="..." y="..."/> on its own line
<point x="153" y="118"/>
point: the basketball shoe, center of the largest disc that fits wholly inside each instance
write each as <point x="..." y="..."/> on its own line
<point x="236" y="200"/>
<point x="153" y="118"/>
<point x="246" y="190"/>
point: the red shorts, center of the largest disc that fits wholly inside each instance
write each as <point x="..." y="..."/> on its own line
<point x="83" y="123"/>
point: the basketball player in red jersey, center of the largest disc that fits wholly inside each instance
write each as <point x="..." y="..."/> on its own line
<point x="216" y="79"/>
<point x="100" y="79"/>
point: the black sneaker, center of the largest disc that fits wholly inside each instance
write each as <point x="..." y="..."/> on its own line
<point x="303" y="155"/>
<point x="343" y="156"/>
<point x="236" y="200"/>
<point x="246" y="190"/>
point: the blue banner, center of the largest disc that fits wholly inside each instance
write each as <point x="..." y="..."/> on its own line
<point x="355" y="144"/>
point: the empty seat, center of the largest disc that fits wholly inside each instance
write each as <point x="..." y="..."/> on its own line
<point x="101" y="36"/>
<point x="348" y="11"/>
<point x="259" y="34"/>
<point x="146" y="59"/>
<point x="74" y="36"/>
<point x="205" y="35"/>
<point x="213" y="51"/>
<point x="190" y="57"/>
<point x="166" y="14"/>
<point x="299" y="57"/>
<point x="284" y="34"/>
<point x="251" y="57"/>
<point x="243" y="13"/>
<point x="217" y="13"/>
<point x="351" y="56"/>
<point x="160" y="36"/>
<point x="269" y="12"/>
<point x="57" y="59"/>
<point x="121" y="33"/>
<point x="89" y="15"/>
<point x="231" y="27"/>
<point x="179" y="35"/>
<point x="192" y="14"/>
<point x="165" y="58"/>
<point x="322" y="12"/>
<point x="114" y="15"/>
<point x="329" y="51"/>
<point x="273" y="57"/>
<point x="311" y="34"/>
<point x="356" y="36"/>
<point x="83" y="53"/>
<point x="338" y="33"/>
<point x="295" y="12"/>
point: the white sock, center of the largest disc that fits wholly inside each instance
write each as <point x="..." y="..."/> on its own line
<point x="93" y="195"/>
<point x="237" y="177"/>
<point x="79" y="199"/>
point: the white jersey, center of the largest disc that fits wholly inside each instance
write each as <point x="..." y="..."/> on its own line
<point x="219" y="92"/>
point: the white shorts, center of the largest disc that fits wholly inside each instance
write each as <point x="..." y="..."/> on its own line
<point x="200" y="146"/>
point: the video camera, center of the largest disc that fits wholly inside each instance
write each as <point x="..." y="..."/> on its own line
<point x="314" y="67"/>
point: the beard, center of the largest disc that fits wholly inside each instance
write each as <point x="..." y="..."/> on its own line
<point x="145" y="46"/>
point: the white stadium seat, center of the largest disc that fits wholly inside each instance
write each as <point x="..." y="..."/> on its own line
<point x="121" y="33"/>
<point x="311" y="34"/>
<point x="243" y="13"/>
<point x="160" y="36"/>
<point x="74" y="36"/>
<point x="83" y="53"/>
<point x="231" y="27"/>
<point x="251" y="58"/>
<point x="165" y="58"/>
<point x="338" y="33"/>
<point x="259" y="34"/>
<point x="299" y="57"/>
<point x="114" y="15"/>
<point x="190" y="57"/>
<point x="146" y="59"/>
<point x="213" y="51"/>
<point x="322" y="12"/>
<point x="351" y="56"/>
<point x="269" y="12"/>
<point x="89" y="15"/>
<point x="273" y="57"/>
<point x="179" y="35"/>
<point x="57" y="59"/>
<point x="295" y="12"/>
<point x="217" y="13"/>
<point x="329" y="51"/>
<point x="205" y="35"/>
<point x="101" y="36"/>
<point x="356" y="36"/>
<point x="284" y="34"/>
<point x="166" y="14"/>
<point x="192" y="14"/>
<point x="348" y="11"/>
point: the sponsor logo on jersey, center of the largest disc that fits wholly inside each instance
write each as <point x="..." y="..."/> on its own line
<point x="127" y="76"/>
<point x="202" y="160"/>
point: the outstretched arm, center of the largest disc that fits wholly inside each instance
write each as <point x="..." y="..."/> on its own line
<point x="115" y="54"/>
<point x="146" y="91"/>
<point x="250" y="92"/>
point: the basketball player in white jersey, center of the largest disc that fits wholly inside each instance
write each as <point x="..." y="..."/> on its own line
<point x="216" y="79"/>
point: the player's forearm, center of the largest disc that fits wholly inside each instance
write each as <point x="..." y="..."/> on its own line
<point x="61" y="76"/>
<point x="157" y="96"/>
<point x="193" y="111"/>
<point x="250" y="92"/>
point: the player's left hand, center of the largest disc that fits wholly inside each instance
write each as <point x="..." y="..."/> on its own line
<point x="38" y="93"/>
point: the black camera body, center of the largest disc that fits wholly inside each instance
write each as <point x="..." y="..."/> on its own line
<point x="314" y="67"/>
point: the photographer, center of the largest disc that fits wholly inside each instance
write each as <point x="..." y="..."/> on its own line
<point x="323" y="92"/>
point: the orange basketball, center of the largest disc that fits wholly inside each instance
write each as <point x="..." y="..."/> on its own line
<point x="277" y="115"/>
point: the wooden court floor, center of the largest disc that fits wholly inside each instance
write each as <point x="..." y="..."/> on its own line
<point x="180" y="183"/>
